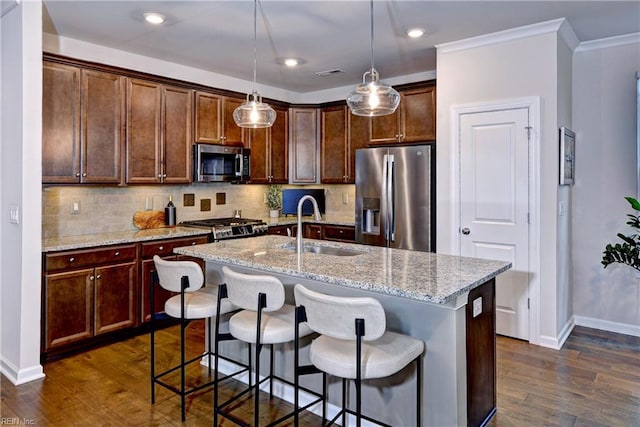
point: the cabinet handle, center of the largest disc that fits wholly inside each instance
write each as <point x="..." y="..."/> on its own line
<point x="193" y="243"/>
<point x="161" y="248"/>
<point x="341" y="231"/>
<point x="160" y="176"/>
<point x="98" y="276"/>
<point x="72" y="259"/>
<point x="84" y="174"/>
<point x="117" y="253"/>
<point x="164" y="175"/>
<point x="77" y="174"/>
<point x="92" y="277"/>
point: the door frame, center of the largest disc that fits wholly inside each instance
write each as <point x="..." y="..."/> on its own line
<point x="532" y="103"/>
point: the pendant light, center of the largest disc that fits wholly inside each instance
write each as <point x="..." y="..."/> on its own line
<point x="254" y="113"/>
<point x="373" y="98"/>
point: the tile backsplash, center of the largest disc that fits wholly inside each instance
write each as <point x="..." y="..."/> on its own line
<point x="111" y="209"/>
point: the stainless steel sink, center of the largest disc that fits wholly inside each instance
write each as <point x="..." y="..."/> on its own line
<point x="325" y="250"/>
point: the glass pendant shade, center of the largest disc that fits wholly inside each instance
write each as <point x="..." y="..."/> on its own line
<point x="254" y="113"/>
<point x="373" y="98"/>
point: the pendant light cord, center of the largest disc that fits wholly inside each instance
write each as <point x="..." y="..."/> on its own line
<point x="372" y="68"/>
<point x="255" y="62"/>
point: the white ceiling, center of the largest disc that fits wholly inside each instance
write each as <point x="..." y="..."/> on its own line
<point x="218" y="35"/>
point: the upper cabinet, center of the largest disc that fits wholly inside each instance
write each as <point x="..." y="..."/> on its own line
<point x="214" y="122"/>
<point x="82" y="132"/>
<point x="269" y="151"/>
<point x="159" y="133"/>
<point x="304" y="145"/>
<point x="413" y="121"/>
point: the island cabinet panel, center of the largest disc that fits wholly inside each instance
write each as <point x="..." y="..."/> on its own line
<point x="303" y="145"/>
<point x="281" y="230"/>
<point x="87" y="293"/>
<point x="269" y="151"/>
<point x="164" y="249"/>
<point x="413" y="121"/>
<point x="214" y="122"/>
<point x="159" y="133"/>
<point x="82" y="116"/>
<point x="481" y="355"/>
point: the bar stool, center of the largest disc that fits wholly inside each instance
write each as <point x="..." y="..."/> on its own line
<point x="192" y="302"/>
<point x="265" y="319"/>
<point x="344" y="350"/>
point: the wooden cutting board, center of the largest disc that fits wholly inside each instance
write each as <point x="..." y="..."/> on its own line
<point x="144" y="220"/>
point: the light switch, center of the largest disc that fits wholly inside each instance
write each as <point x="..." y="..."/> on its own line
<point x="14" y="214"/>
<point x="477" y="307"/>
<point x="75" y="207"/>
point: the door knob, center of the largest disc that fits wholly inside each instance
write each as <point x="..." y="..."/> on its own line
<point x="465" y="231"/>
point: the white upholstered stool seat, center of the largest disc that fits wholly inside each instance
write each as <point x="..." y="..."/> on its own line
<point x="276" y="326"/>
<point x="380" y="358"/>
<point x="355" y="345"/>
<point x="198" y="305"/>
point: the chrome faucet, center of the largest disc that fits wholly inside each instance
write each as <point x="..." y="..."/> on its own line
<point x="316" y="211"/>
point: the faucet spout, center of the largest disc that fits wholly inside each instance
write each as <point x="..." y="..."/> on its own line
<point x="316" y="211"/>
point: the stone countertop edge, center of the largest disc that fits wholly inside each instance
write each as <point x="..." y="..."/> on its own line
<point x="118" y="238"/>
<point x="422" y="276"/>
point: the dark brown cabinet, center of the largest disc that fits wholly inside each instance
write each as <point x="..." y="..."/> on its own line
<point x="304" y="145"/>
<point x="269" y="151"/>
<point x="82" y="132"/>
<point x="413" y="121"/>
<point x="159" y="133"/>
<point x="214" y="122"/>
<point x="88" y="293"/>
<point x="313" y="231"/>
<point x="339" y="233"/>
<point x="164" y="249"/>
<point x="281" y="230"/>
<point x="342" y="133"/>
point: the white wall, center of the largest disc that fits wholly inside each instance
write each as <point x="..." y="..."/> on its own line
<point x="21" y="186"/>
<point x="604" y="118"/>
<point x="522" y="64"/>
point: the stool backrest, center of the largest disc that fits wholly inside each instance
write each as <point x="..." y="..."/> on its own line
<point x="243" y="290"/>
<point x="335" y="316"/>
<point x="170" y="274"/>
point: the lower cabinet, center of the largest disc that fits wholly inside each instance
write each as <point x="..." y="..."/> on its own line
<point x="281" y="230"/>
<point x="91" y="292"/>
<point x="338" y="233"/>
<point x="88" y="293"/>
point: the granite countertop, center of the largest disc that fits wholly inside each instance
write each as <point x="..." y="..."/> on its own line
<point x="310" y="219"/>
<point x="416" y="275"/>
<point x="117" y="238"/>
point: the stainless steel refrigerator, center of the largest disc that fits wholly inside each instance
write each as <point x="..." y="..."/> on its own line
<point x="395" y="196"/>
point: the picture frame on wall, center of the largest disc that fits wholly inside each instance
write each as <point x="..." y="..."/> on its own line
<point x="567" y="156"/>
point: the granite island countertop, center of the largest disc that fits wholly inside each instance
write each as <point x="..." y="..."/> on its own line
<point x="118" y="238"/>
<point x="422" y="276"/>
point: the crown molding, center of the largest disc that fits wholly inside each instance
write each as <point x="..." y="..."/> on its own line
<point x="609" y="42"/>
<point x="546" y="27"/>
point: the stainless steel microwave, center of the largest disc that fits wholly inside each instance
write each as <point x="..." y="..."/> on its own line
<point x="219" y="163"/>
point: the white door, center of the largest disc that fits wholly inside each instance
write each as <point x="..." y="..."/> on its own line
<point x="494" y="212"/>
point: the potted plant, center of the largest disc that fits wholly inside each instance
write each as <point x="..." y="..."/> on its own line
<point x="627" y="252"/>
<point x="274" y="200"/>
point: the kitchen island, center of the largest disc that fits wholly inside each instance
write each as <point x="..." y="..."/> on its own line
<point x="447" y="301"/>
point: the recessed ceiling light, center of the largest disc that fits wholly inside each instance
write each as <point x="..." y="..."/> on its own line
<point x="154" y="18"/>
<point x="415" y="32"/>
<point x="291" y="62"/>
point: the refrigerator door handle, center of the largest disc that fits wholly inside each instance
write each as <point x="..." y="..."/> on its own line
<point x="385" y="195"/>
<point x="391" y="187"/>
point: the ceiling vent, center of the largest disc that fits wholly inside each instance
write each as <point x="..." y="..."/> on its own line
<point x="329" y="72"/>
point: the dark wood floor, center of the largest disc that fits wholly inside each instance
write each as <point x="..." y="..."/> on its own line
<point x="593" y="381"/>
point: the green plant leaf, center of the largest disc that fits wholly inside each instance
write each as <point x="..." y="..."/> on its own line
<point x="634" y="203"/>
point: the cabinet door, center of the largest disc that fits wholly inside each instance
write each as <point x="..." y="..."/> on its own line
<point x="258" y="141"/>
<point x="339" y="233"/>
<point x="312" y="231"/>
<point x="279" y="148"/>
<point x="359" y="137"/>
<point x="68" y="307"/>
<point x="418" y="115"/>
<point x="60" y="124"/>
<point x="143" y="132"/>
<point x="208" y="116"/>
<point x="303" y="134"/>
<point x="115" y="288"/>
<point x="160" y="295"/>
<point x="334" y="144"/>
<point x="177" y="137"/>
<point x="386" y="129"/>
<point x="101" y="127"/>
<point x="232" y="134"/>
<point x="281" y="230"/>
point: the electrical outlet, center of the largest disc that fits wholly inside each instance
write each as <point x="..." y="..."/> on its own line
<point x="265" y="198"/>
<point x="14" y="214"/>
<point x="477" y="307"/>
<point x="75" y="207"/>
<point x="345" y="198"/>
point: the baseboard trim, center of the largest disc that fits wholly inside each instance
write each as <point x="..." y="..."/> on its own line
<point x="557" y="342"/>
<point x="607" y="325"/>
<point x="21" y="376"/>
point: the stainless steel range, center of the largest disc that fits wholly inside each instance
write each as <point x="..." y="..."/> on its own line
<point x="230" y="228"/>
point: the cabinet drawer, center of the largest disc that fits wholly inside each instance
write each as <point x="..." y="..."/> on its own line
<point x="165" y="247"/>
<point x="332" y="232"/>
<point x="89" y="257"/>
